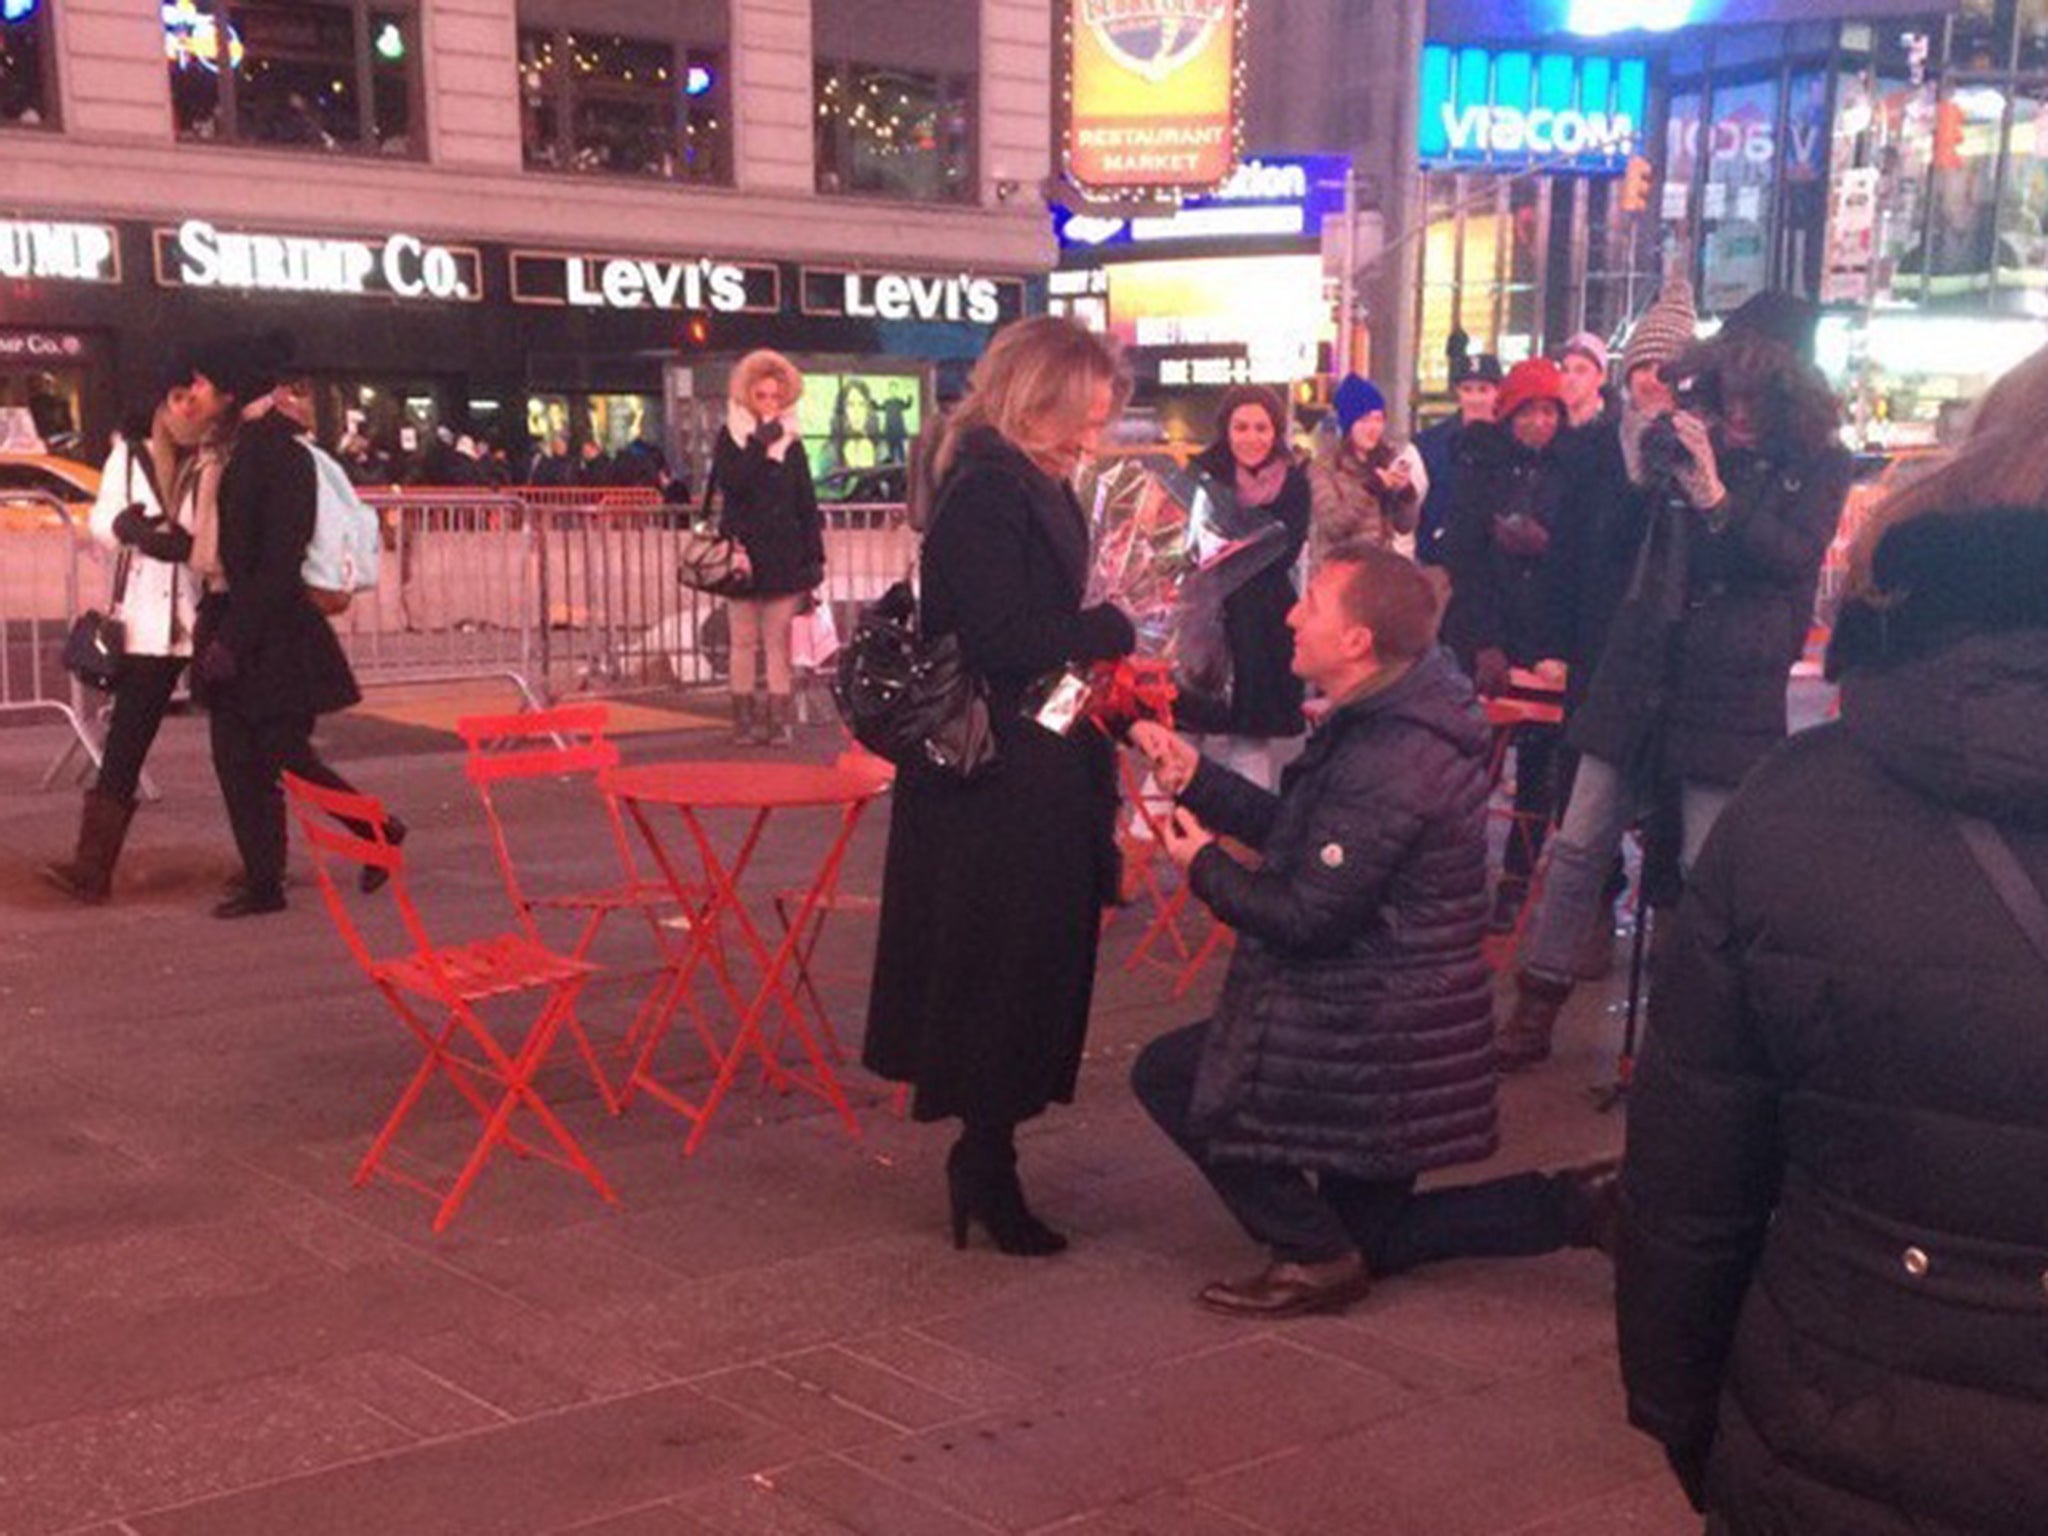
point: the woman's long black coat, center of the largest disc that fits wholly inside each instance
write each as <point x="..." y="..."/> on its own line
<point x="992" y="890"/>
<point x="286" y="657"/>
<point x="1265" y="695"/>
<point x="1833" y="1280"/>
<point x="771" y="507"/>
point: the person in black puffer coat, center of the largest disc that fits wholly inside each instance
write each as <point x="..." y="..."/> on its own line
<point x="1833" y="1269"/>
<point x="1350" y="1050"/>
<point x="771" y="507"/>
<point x="1251" y="458"/>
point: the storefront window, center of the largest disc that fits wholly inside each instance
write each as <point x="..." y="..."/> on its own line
<point x="611" y="105"/>
<point x="27" y="84"/>
<point x="1740" y="148"/>
<point x="2033" y="35"/>
<point x="2023" y="205"/>
<point x="1682" y="136"/>
<point x="895" y="133"/>
<point x="1969" y="123"/>
<point x="341" y="75"/>
<point x="1976" y="39"/>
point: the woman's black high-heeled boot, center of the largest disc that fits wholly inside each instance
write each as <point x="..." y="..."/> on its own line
<point x="981" y="1184"/>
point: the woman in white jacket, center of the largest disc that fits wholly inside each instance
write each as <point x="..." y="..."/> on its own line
<point x="147" y="511"/>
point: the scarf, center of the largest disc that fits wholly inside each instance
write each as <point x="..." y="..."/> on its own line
<point x="1261" y="487"/>
<point x="205" y="468"/>
<point x="740" y="423"/>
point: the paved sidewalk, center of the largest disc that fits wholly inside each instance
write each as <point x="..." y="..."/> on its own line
<point x="204" y="1331"/>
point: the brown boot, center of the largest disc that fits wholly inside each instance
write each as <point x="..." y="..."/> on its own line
<point x="744" y="713"/>
<point x="102" y="829"/>
<point x="1524" y="1040"/>
<point x="778" y="728"/>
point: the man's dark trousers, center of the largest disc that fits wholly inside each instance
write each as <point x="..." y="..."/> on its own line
<point x="1307" y="1220"/>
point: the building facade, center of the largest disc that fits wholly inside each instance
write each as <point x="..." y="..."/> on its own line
<point x="520" y="218"/>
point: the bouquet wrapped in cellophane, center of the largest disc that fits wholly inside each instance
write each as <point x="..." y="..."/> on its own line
<point x="1167" y="549"/>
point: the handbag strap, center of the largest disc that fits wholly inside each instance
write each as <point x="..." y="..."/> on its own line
<point x="126" y="558"/>
<point x="2009" y="878"/>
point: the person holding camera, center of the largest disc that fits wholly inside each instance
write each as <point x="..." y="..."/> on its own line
<point x="1743" y="478"/>
<point x="145" y="510"/>
<point x="771" y="507"/>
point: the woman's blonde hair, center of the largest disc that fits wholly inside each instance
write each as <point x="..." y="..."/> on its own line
<point x="1034" y="385"/>
<point x="2002" y="461"/>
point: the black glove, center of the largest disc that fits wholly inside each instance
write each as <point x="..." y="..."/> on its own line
<point x="131" y="524"/>
<point x="215" y="664"/>
<point x="1106" y="633"/>
<point x="769" y="433"/>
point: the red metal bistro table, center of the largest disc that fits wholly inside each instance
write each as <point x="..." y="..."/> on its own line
<point x="759" y="790"/>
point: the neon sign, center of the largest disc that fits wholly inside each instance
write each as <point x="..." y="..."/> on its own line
<point x="1520" y="109"/>
<point x="191" y="36"/>
<point x="18" y="10"/>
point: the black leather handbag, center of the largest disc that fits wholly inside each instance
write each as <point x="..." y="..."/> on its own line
<point x="912" y="701"/>
<point x="98" y="642"/>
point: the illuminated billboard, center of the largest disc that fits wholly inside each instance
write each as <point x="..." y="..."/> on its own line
<point x="1273" y="307"/>
<point x="1151" y="94"/>
<point x="1520" y="109"/>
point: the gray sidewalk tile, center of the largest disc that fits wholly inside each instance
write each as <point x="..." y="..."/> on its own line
<point x="521" y="1480"/>
<point x="823" y="1497"/>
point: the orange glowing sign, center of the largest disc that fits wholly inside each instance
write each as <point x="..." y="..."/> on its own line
<point x="1152" y="94"/>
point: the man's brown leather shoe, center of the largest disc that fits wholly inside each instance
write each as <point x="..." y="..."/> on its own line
<point x="1289" y="1290"/>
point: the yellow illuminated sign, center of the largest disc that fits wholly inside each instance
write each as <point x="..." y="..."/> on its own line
<point x="1152" y="92"/>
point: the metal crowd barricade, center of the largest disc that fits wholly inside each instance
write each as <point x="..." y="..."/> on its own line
<point x="618" y="619"/>
<point x="460" y="594"/>
<point x="42" y="590"/>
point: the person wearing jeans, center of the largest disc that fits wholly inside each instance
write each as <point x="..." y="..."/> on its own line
<point x="1743" y="483"/>
<point x="1350" y="1051"/>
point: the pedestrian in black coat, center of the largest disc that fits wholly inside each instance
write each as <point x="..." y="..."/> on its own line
<point x="993" y="889"/>
<point x="1833" y="1282"/>
<point x="1351" y="1049"/>
<point x="1251" y="460"/>
<point x="268" y="662"/>
<point x="1746" y="488"/>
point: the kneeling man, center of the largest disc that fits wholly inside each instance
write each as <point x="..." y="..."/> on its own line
<point x="1352" y="1047"/>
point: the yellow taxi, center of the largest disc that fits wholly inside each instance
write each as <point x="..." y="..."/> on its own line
<point x="27" y="479"/>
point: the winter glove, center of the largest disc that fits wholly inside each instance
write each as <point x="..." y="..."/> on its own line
<point x="155" y="537"/>
<point x="1490" y="672"/>
<point x="769" y="433"/>
<point x="1700" y="480"/>
<point x="1521" y="536"/>
<point x="215" y="664"/>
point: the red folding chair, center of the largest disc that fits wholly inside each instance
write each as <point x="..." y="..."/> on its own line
<point x="453" y="982"/>
<point x="571" y="742"/>
<point x="1508" y="714"/>
<point x="1144" y="859"/>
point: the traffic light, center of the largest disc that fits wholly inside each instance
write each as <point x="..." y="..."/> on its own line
<point x="1948" y="136"/>
<point x="1635" y="185"/>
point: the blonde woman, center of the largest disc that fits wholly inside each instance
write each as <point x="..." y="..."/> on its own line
<point x="1833" y="1236"/>
<point x="993" y="891"/>
<point x="771" y="507"/>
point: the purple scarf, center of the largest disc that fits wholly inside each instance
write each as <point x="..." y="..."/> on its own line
<point x="1261" y="487"/>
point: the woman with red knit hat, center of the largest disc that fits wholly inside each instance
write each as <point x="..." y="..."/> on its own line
<point x="1510" y="601"/>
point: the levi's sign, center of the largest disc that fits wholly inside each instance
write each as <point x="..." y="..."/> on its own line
<point x="697" y="284"/>
<point x="198" y="255"/>
<point x="910" y="296"/>
<point x="78" y="253"/>
<point x="1551" y="111"/>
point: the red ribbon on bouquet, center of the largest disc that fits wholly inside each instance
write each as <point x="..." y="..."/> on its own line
<point x="1121" y="693"/>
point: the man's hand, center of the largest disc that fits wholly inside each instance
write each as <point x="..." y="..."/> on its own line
<point x="1490" y="670"/>
<point x="1184" y="836"/>
<point x="1173" y="760"/>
